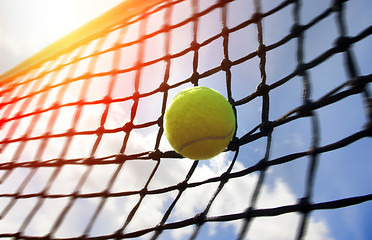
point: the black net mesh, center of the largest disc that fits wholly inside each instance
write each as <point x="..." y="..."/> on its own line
<point x="83" y="154"/>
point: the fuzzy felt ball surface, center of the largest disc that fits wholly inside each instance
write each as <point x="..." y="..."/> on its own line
<point x="199" y="123"/>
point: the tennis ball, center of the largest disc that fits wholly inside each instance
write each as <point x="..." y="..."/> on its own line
<point x="199" y="123"/>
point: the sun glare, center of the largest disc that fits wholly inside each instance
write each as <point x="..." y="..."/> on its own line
<point x="48" y="20"/>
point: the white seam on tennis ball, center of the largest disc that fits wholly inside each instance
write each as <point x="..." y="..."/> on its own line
<point x="205" y="138"/>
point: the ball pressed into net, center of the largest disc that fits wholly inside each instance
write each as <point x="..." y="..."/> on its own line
<point x="199" y="123"/>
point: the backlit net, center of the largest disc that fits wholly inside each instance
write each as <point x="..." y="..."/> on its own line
<point x="83" y="154"/>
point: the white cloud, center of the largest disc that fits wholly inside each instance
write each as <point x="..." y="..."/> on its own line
<point x="235" y="197"/>
<point x="318" y="229"/>
<point x="8" y="43"/>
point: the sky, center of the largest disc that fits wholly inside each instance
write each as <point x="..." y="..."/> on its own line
<point x="342" y="173"/>
<point x="28" y="26"/>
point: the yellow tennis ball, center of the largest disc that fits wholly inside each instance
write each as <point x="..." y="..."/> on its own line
<point x="199" y="123"/>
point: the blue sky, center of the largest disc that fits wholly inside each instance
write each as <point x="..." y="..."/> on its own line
<point x="342" y="173"/>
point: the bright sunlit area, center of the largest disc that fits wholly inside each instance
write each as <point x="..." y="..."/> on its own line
<point x="28" y="26"/>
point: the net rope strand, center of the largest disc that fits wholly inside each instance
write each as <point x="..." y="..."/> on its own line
<point x="313" y="159"/>
<point x="35" y="86"/>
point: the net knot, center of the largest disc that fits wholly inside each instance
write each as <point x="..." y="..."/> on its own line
<point x="107" y="100"/>
<point x="56" y="105"/>
<point x="266" y="128"/>
<point x="75" y="194"/>
<point x="200" y="218"/>
<point x="17" y="235"/>
<point x="358" y="84"/>
<point x="261" y="51"/>
<point x="338" y="5"/>
<point x="100" y="131"/>
<point x="222" y="3"/>
<point x="368" y="126"/>
<point x="166" y="28"/>
<point x="248" y="213"/>
<point x="234" y="144"/>
<point x="224" y="177"/>
<point x="117" y="235"/>
<point x="297" y="30"/>
<point x="262" y="165"/>
<point x="87" y="75"/>
<point x="304" y="205"/>
<point x="82" y="237"/>
<point x="43" y="194"/>
<point x="80" y="102"/>
<point x="163" y="87"/>
<point x="128" y="127"/>
<point x="306" y="110"/>
<point x="194" y="45"/>
<point x="59" y="162"/>
<point x="231" y="101"/>
<point x="136" y="96"/>
<point x="48" y="237"/>
<point x="300" y="69"/>
<point x="195" y="78"/>
<point x="120" y="158"/>
<point x="225" y="31"/>
<point x="18" y="115"/>
<point x="143" y="192"/>
<point x="313" y="152"/>
<point x="167" y="58"/>
<point x="105" y="193"/>
<point x="159" y="228"/>
<point x="160" y="121"/>
<point x="71" y="132"/>
<point x="90" y="161"/>
<point x="262" y="89"/>
<point x="342" y="44"/>
<point x="225" y="65"/>
<point x="155" y="155"/>
<point x="256" y="17"/>
<point x="182" y="186"/>
<point x="138" y="64"/>
<point x="23" y="138"/>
